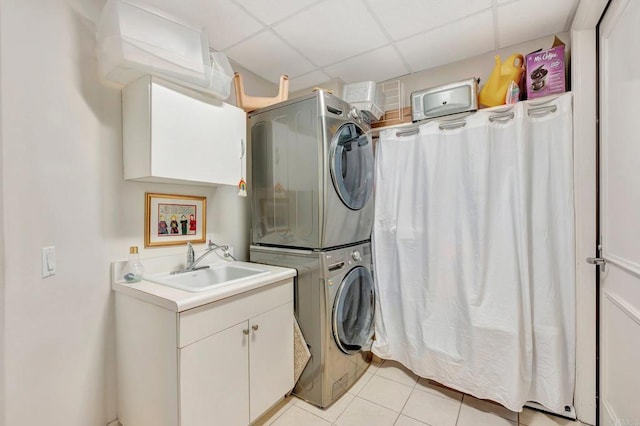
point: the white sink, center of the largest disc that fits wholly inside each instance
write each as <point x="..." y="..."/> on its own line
<point x="206" y="279"/>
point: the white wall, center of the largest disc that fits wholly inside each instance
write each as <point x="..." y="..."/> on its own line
<point x="55" y="343"/>
<point x="2" y="273"/>
<point x="334" y="85"/>
<point x="61" y="165"/>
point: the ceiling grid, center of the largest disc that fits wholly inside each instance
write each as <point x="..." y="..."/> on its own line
<point x="314" y="40"/>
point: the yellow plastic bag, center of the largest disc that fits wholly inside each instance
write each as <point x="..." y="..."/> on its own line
<point x="495" y="90"/>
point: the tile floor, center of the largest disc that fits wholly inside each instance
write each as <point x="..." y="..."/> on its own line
<point x="389" y="394"/>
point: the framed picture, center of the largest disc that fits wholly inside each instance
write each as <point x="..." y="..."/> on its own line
<point x="174" y="219"/>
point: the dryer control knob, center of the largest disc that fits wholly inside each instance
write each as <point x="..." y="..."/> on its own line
<point x="354" y="113"/>
<point x="356" y="256"/>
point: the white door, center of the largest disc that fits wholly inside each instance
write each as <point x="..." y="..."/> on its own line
<point x="270" y="358"/>
<point x="214" y="379"/>
<point x="620" y="214"/>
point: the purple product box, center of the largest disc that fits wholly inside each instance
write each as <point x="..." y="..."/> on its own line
<point x="545" y="72"/>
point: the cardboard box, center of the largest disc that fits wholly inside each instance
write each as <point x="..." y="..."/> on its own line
<point x="545" y="71"/>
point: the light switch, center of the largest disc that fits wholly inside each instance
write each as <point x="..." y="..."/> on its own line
<point x="48" y="261"/>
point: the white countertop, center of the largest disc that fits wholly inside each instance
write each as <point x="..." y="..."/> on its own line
<point x="180" y="300"/>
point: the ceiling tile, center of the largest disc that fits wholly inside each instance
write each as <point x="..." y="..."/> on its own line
<point x="269" y="57"/>
<point x="541" y="20"/>
<point x="450" y="43"/>
<point x="379" y="65"/>
<point x="226" y="23"/>
<point x="403" y="18"/>
<point x="308" y="80"/>
<point x="344" y="39"/>
<point x="332" y="31"/>
<point x="270" y="11"/>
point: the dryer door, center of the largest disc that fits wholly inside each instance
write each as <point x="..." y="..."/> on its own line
<point x="352" y="165"/>
<point x="353" y="310"/>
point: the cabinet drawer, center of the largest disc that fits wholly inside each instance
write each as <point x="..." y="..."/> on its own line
<point x="198" y="323"/>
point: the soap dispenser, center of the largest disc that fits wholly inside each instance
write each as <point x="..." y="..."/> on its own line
<point x="132" y="271"/>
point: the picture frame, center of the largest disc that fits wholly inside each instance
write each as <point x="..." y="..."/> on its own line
<point x="172" y="219"/>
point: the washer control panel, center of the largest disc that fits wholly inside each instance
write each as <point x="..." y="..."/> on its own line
<point x="339" y="261"/>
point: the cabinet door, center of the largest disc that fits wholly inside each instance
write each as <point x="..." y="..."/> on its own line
<point x="270" y="358"/>
<point x="173" y="134"/>
<point x="196" y="138"/>
<point x="214" y="379"/>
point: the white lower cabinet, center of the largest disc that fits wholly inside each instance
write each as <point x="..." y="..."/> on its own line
<point x="232" y="359"/>
<point x="270" y="368"/>
<point x="214" y="379"/>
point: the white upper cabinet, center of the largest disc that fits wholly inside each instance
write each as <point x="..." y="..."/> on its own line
<point x="175" y="135"/>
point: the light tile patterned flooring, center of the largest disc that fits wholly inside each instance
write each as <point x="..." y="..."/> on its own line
<point x="389" y="394"/>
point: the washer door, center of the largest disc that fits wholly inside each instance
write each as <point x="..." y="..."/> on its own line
<point x="352" y="165"/>
<point x="353" y="311"/>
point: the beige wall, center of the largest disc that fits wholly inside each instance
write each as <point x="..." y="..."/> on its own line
<point x="62" y="185"/>
<point x="334" y="85"/>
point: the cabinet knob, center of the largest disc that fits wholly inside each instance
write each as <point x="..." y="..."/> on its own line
<point x="245" y="331"/>
<point x="254" y="327"/>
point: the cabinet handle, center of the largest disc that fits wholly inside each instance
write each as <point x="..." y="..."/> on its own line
<point x="245" y="331"/>
<point x="254" y="327"/>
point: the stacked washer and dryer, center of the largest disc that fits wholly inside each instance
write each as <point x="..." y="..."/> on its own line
<point x="312" y="209"/>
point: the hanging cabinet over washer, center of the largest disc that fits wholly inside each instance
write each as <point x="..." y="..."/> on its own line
<point x="175" y="135"/>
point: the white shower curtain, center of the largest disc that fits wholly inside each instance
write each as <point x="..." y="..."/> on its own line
<point x="473" y="246"/>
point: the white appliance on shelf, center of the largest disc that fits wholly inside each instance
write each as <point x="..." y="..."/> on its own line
<point x="452" y="98"/>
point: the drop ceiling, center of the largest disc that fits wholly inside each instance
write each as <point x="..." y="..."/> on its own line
<point x="313" y="41"/>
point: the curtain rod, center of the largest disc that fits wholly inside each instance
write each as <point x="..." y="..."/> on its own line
<point x="500" y="117"/>
<point x="542" y="110"/>
<point x="412" y="131"/>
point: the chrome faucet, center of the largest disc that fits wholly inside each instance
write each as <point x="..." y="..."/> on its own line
<point x="211" y="246"/>
<point x="191" y="255"/>
<point x="192" y="264"/>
